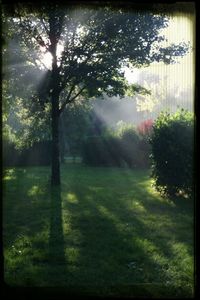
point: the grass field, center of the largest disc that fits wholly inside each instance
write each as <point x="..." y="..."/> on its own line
<point x="105" y="232"/>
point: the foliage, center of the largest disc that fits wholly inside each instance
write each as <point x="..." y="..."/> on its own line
<point x="87" y="36"/>
<point x="129" y="147"/>
<point x="25" y="119"/>
<point x="172" y="153"/>
<point x="145" y="128"/>
<point x="74" y="124"/>
<point x="96" y="44"/>
<point x="39" y="154"/>
<point x="119" y="148"/>
<point x="101" y="151"/>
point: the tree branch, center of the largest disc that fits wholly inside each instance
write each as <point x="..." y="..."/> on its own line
<point x="44" y="25"/>
<point x="68" y="100"/>
<point x="73" y="98"/>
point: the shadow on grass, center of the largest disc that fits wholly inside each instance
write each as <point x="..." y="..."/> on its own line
<point x="33" y="232"/>
<point x="25" y="202"/>
<point x="56" y="240"/>
<point x="107" y="247"/>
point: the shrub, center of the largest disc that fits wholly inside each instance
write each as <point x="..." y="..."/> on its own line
<point x="37" y="155"/>
<point x="92" y="151"/>
<point x="10" y="154"/>
<point x="145" y="128"/>
<point x="130" y="147"/>
<point x="122" y="148"/>
<point x="172" y="153"/>
<point x="101" y="151"/>
<point x="134" y="143"/>
<point x="112" y="144"/>
<point x="144" y="151"/>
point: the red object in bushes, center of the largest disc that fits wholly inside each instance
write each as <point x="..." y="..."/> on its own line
<point x="145" y="128"/>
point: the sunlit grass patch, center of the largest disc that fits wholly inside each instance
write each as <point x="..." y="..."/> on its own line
<point x="103" y="228"/>
<point x="72" y="254"/>
<point x="72" y="198"/>
<point x="9" y="177"/>
<point x="138" y="206"/>
<point x="35" y="190"/>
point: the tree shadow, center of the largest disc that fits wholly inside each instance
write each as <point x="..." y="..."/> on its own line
<point x="101" y="226"/>
<point x="96" y="217"/>
<point x="34" y="197"/>
<point x="56" y="239"/>
<point x="33" y="227"/>
<point x="176" y="217"/>
<point x="84" y="258"/>
<point x="24" y="199"/>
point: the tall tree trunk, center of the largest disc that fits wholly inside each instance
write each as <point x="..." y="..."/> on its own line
<point x="62" y="141"/>
<point x="55" y="167"/>
<point x="55" y="25"/>
<point x="55" y="170"/>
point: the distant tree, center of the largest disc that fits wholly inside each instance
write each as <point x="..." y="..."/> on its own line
<point x="24" y="120"/>
<point x="97" y="43"/>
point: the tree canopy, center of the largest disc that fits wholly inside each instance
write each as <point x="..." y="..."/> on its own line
<point x="96" y="44"/>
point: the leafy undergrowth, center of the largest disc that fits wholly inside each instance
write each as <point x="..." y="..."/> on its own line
<point x="105" y="232"/>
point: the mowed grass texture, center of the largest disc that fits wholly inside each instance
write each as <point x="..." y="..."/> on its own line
<point x="105" y="232"/>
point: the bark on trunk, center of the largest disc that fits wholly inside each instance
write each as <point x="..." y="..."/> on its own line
<point x="55" y="171"/>
<point x="55" y="25"/>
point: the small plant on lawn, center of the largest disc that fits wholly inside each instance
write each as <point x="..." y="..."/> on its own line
<point x="172" y="144"/>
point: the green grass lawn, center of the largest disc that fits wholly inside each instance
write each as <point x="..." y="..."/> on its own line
<point x="105" y="232"/>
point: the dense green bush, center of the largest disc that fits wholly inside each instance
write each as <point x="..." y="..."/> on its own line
<point x="37" y="155"/>
<point x="122" y="148"/>
<point x="112" y="145"/>
<point x="144" y="151"/>
<point x="10" y="156"/>
<point x="101" y="151"/>
<point x="130" y="147"/>
<point x="172" y="144"/>
<point x="92" y="151"/>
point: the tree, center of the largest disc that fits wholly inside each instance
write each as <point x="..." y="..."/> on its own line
<point x="24" y="122"/>
<point x="97" y="43"/>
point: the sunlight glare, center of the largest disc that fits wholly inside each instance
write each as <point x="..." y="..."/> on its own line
<point x="131" y="74"/>
<point x="46" y="59"/>
<point x="173" y="80"/>
<point x="180" y="29"/>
